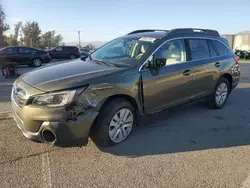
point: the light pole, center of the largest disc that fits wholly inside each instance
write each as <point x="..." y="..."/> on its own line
<point x="79" y="39"/>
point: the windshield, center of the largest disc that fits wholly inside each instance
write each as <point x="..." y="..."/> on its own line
<point x="123" y="51"/>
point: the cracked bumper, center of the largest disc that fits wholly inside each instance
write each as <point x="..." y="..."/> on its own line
<point x="32" y="120"/>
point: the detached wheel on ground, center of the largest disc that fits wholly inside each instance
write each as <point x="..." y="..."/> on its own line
<point x="114" y="123"/>
<point x="72" y="56"/>
<point x="36" y="62"/>
<point x="221" y="92"/>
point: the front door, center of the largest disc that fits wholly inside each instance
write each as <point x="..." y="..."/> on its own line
<point x="57" y="53"/>
<point x="171" y="84"/>
<point x="25" y="55"/>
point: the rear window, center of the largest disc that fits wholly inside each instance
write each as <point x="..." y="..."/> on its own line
<point x="211" y="49"/>
<point x="221" y="48"/>
<point x="199" y="49"/>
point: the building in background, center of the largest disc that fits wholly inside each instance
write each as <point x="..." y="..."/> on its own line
<point x="239" y="41"/>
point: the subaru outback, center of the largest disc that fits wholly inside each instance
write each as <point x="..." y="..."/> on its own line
<point x="138" y="74"/>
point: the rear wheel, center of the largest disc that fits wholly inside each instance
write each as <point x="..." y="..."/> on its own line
<point x="72" y="56"/>
<point x="219" y="97"/>
<point x="37" y="62"/>
<point x="114" y="123"/>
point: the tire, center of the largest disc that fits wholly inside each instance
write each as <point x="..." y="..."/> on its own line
<point x="106" y="134"/>
<point x="219" y="96"/>
<point x="36" y="62"/>
<point x="3" y="71"/>
<point x="72" y="56"/>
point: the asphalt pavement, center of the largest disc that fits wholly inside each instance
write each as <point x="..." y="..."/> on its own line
<point x="187" y="146"/>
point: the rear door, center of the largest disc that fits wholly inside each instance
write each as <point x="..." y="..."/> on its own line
<point x="10" y="55"/>
<point x="67" y="51"/>
<point x="26" y="55"/>
<point x="206" y="69"/>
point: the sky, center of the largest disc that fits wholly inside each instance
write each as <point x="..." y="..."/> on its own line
<point x="103" y="20"/>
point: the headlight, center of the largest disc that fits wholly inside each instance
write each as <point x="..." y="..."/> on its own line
<point x="56" y="99"/>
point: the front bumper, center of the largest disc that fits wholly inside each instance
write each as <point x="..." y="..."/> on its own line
<point x="34" y="120"/>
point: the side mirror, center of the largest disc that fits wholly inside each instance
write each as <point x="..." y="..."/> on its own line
<point x="156" y="63"/>
<point x="83" y="57"/>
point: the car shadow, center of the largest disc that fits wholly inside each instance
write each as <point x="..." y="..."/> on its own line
<point x="190" y="128"/>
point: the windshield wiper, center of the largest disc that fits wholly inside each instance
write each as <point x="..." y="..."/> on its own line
<point x="104" y="62"/>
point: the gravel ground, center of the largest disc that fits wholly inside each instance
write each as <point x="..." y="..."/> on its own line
<point x="188" y="146"/>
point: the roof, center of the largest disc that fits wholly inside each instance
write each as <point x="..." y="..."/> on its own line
<point x="174" y="33"/>
<point x="157" y="35"/>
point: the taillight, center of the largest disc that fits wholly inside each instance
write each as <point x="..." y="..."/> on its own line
<point x="237" y="60"/>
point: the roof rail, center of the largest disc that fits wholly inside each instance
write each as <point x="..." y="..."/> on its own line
<point x="146" y="30"/>
<point x="183" y="31"/>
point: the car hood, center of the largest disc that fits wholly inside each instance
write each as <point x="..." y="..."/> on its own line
<point x="69" y="74"/>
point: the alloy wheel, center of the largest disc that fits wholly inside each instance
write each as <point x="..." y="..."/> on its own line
<point x="221" y="93"/>
<point x="72" y="56"/>
<point x="121" y="125"/>
<point x="37" y="62"/>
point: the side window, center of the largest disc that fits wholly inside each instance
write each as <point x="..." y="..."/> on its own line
<point x="222" y="49"/>
<point x="199" y="49"/>
<point x="31" y="50"/>
<point x="211" y="49"/>
<point x="10" y="50"/>
<point x="23" y="50"/>
<point x="171" y="52"/>
<point x="59" y="49"/>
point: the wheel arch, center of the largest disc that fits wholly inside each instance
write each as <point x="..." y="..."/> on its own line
<point x="130" y="99"/>
<point x="229" y="78"/>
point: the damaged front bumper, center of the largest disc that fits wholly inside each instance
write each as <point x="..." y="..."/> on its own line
<point x="53" y="125"/>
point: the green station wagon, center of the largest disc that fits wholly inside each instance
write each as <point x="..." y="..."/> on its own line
<point x="138" y="74"/>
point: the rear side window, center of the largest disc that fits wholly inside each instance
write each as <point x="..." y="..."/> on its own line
<point x="212" y="50"/>
<point x="221" y="48"/>
<point x="10" y="50"/>
<point x="199" y="49"/>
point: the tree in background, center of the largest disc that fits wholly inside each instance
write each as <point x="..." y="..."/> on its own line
<point x="12" y="40"/>
<point x="3" y="27"/>
<point x="18" y="32"/>
<point x="31" y="34"/>
<point x="50" y="39"/>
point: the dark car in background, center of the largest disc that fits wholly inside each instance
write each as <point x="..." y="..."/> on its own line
<point x="64" y="52"/>
<point x="84" y="52"/>
<point x="24" y="56"/>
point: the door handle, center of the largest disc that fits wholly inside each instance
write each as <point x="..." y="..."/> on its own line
<point x="187" y="72"/>
<point x="217" y="64"/>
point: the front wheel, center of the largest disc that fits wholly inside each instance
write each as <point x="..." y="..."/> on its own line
<point x="37" y="62"/>
<point x="114" y="123"/>
<point x="72" y="56"/>
<point x="221" y="92"/>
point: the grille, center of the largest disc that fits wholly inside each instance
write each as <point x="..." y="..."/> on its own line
<point x="18" y="95"/>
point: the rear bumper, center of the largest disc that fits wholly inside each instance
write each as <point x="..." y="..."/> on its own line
<point x="46" y="59"/>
